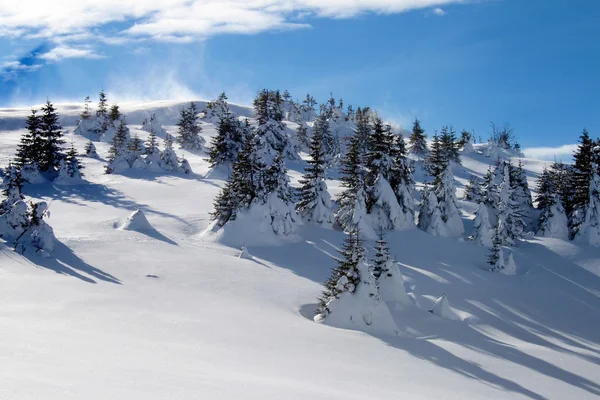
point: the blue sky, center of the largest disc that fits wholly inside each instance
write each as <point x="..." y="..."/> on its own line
<point x="531" y="63"/>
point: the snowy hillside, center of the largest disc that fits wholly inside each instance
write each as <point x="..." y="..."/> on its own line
<point x="144" y="305"/>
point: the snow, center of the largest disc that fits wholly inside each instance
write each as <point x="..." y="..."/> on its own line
<point x="87" y="323"/>
<point x="442" y="309"/>
<point x="136" y="222"/>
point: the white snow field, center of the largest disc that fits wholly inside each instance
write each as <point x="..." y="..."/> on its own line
<point x="168" y="313"/>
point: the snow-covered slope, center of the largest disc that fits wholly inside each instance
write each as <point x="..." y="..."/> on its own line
<point x="168" y="313"/>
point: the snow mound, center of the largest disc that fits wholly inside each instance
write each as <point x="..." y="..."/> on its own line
<point x="137" y="222"/>
<point x="245" y="254"/>
<point x="509" y="266"/>
<point x="442" y="309"/>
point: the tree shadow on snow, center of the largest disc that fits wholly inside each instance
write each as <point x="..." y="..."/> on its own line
<point x="64" y="261"/>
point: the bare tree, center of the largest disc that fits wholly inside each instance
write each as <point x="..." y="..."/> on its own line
<point x="502" y="136"/>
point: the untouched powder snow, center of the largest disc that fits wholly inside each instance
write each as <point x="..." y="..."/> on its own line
<point x="137" y="222"/>
<point x="90" y="323"/>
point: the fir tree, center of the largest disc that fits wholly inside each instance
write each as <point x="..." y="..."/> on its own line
<point x="552" y="220"/>
<point x="72" y="165"/>
<point x="102" y="111"/>
<point x="473" y="190"/>
<point x="118" y="148"/>
<point x="12" y="185"/>
<point x="401" y="179"/>
<point x="271" y="135"/>
<point x="90" y="150"/>
<point x="29" y="149"/>
<point x="436" y="161"/>
<point x="378" y="158"/>
<point x="315" y="202"/>
<point x="382" y="257"/>
<point x="86" y="113"/>
<point x="136" y="146"/>
<point x="418" y="140"/>
<point x="587" y="218"/>
<point x="582" y="171"/>
<point x="51" y="132"/>
<point x="510" y="220"/>
<point x="151" y="146"/>
<point x="114" y="114"/>
<point x="188" y="134"/>
<point x="482" y="228"/>
<point x="449" y="145"/>
<point x="302" y="136"/>
<point x="495" y="255"/>
<point x="345" y="277"/>
<point x="227" y="143"/>
<point x="521" y="193"/>
<point x="363" y="128"/>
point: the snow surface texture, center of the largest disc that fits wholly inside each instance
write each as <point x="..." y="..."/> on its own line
<point x="87" y="323"/>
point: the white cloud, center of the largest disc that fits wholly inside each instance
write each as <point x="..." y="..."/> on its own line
<point x="439" y="12"/>
<point x="62" y="52"/>
<point x="561" y="153"/>
<point x="11" y="70"/>
<point x="183" y="20"/>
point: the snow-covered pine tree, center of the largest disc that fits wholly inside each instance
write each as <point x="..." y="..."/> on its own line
<point x="587" y="229"/>
<point x="345" y="277"/>
<point x="495" y="256"/>
<point x="363" y="128"/>
<point x="280" y="199"/>
<point x="418" y="140"/>
<point x="29" y="150"/>
<point x="168" y="157"/>
<point x="302" y="136"/>
<point x="401" y="179"/>
<point x="315" y="201"/>
<point x="90" y="150"/>
<point x="510" y="220"/>
<point x="72" y="166"/>
<point x="522" y="194"/>
<point x="552" y="221"/>
<point x="51" y="133"/>
<point x="352" y="210"/>
<point x="473" y="190"/>
<point x="12" y="185"/>
<point x="114" y="114"/>
<point x="388" y="277"/>
<point x="582" y="172"/>
<point x="228" y="141"/>
<point x="430" y="216"/>
<point x="188" y="134"/>
<point x="270" y="132"/>
<point x="87" y="112"/>
<point x="449" y="144"/>
<point x="217" y="108"/>
<point x="436" y="162"/>
<point x="102" y="112"/>
<point x="151" y="145"/>
<point x="118" y="159"/>
<point x="482" y="228"/>
<point x="382" y="201"/>
<point x="447" y="202"/>
<point x="561" y="175"/>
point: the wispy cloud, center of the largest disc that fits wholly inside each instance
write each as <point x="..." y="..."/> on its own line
<point x="182" y="20"/>
<point x="561" y="153"/>
<point x="62" y="52"/>
<point x="439" y="12"/>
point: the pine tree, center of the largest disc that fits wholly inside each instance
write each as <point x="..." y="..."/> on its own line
<point x="227" y="143"/>
<point x="102" y="111"/>
<point x="352" y="200"/>
<point x="86" y="113"/>
<point x="363" y="128"/>
<point x="482" y="228"/>
<point x="379" y="158"/>
<point x="382" y="257"/>
<point x="401" y="179"/>
<point x="72" y="165"/>
<point x="545" y="190"/>
<point x="136" y="146"/>
<point x="418" y="140"/>
<point x="271" y="135"/>
<point x="189" y="129"/>
<point x="345" y="277"/>
<point x="114" y="114"/>
<point x="510" y="220"/>
<point x="29" y="149"/>
<point x="561" y="175"/>
<point x="315" y="202"/>
<point x="168" y="157"/>
<point x="552" y="220"/>
<point x="302" y="136"/>
<point x="51" y="132"/>
<point x="151" y="146"/>
<point x="12" y="185"/>
<point x="449" y="145"/>
<point x="445" y="192"/>
<point x="587" y="217"/>
<point x="90" y="150"/>
<point x="522" y="194"/>
<point x="495" y="255"/>
<point x="473" y="190"/>
<point x="118" y="148"/>
<point x="582" y="171"/>
<point x="436" y="161"/>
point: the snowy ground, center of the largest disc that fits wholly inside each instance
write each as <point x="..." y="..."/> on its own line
<point x="168" y="313"/>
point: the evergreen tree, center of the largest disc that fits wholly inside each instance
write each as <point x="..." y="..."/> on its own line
<point x="382" y="257"/>
<point x="114" y="114"/>
<point x="363" y="128"/>
<point x="12" y="185"/>
<point x="561" y="175"/>
<point x="582" y="171"/>
<point x="495" y="255"/>
<point x="168" y="157"/>
<point x="587" y="217"/>
<point x="345" y="277"/>
<point x="86" y="113"/>
<point x="352" y="200"/>
<point x="51" y="132"/>
<point x="449" y="145"/>
<point x="72" y="166"/>
<point x="118" y="149"/>
<point x="102" y="111"/>
<point x="401" y="179"/>
<point x="521" y="193"/>
<point x="227" y="143"/>
<point x="29" y="149"/>
<point x="445" y="192"/>
<point x="552" y="220"/>
<point x="315" y="202"/>
<point x="309" y="103"/>
<point x="188" y="134"/>
<point x="510" y="220"/>
<point x="473" y="190"/>
<point x="378" y="159"/>
<point x="302" y="136"/>
<point x="436" y="161"/>
<point x="90" y="150"/>
<point x="136" y="146"/>
<point x="430" y="215"/>
<point x="271" y="135"/>
<point x="151" y="146"/>
<point x="418" y="140"/>
<point x="545" y="190"/>
<point x="482" y="228"/>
